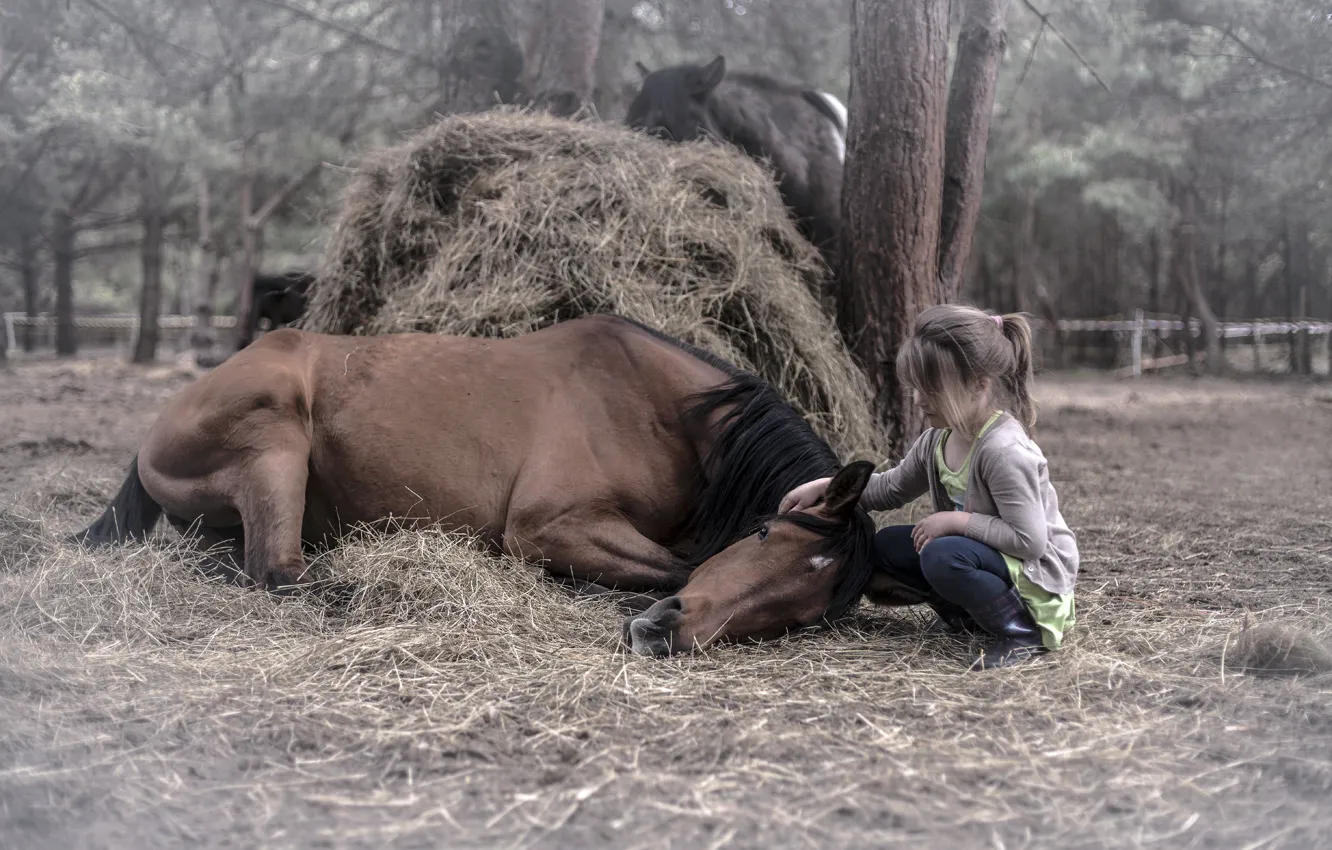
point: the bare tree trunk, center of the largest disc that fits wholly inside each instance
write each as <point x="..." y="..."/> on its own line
<point x="988" y="287"/>
<point x="1154" y="273"/>
<point x="1222" y="288"/>
<point x="1185" y="272"/>
<point x="892" y="192"/>
<point x="1288" y="279"/>
<point x="150" y="299"/>
<point x="63" y="239"/>
<point x="1023" y="248"/>
<point x="1297" y="272"/>
<point x="30" y="273"/>
<point x="252" y="232"/>
<point x="980" y="49"/>
<point x="1254" y="284"/>
<point x="485" y="64"/>
<point x="244" y="268"/>
<point x="204" y="339"/>
<point x="560" y="54"/>
<point x="177" y="275"/>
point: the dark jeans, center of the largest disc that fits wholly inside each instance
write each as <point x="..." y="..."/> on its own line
<point x="961" y="571"/>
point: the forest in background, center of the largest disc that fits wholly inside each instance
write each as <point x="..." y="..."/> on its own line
<point x="1166" y="155"/>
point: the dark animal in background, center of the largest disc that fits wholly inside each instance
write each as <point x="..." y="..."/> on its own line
<point x="802" y="132"/>
<point x="279" y="300"/>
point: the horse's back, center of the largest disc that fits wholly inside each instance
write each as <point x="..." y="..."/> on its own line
<point x="427" y="425"/>
<point x="797" y="130"/>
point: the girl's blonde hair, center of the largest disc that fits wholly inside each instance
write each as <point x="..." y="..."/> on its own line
<point x="953" y="346"/>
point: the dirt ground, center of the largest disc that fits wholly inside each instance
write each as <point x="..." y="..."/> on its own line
<point x="469" y="704"/>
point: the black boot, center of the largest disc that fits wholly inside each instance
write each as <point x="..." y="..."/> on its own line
<point x="953" y="619"/>
<point x="1017" y="637"/>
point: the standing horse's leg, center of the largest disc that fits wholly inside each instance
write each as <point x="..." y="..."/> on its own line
<point x="595" y="545"/>
<point x="272" y="507"/>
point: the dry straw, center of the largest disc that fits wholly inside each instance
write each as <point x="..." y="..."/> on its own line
<point x="501" y="223"/>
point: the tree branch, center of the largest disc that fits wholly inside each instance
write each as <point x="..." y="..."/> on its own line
<point x="1045" y="19"/>
<point x="1263" y="60"/>
<point x="136" y="33"/>
<point x="258" y="218"/>
<point x="107" y="248"/>
<point x="12" y="68"/>
<point x="355" y="35"/>
<point x="87" y="199"/>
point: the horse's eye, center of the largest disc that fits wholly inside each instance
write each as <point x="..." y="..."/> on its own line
<point x="763" y="533"/>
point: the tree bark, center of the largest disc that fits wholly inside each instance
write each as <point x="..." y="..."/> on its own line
<point x="252" y="230"/>
<point x="980" y="49"/>
<point x="892" y="192"/>
<point x="245" y="267"/>
<point x="1296" y="271"/>
<point x="150" y="299"/>
<point x="560" y="53"/>
<point x="1023" y="248"/>
<point x="1184" y="265"/>
<point x="64" y="235"/>
<point x="203" y="339"/>
<point x="30" y="273"/>
<point x="485" y="64"/>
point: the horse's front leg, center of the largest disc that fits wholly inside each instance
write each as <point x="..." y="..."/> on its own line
<point x="596" y="550"/>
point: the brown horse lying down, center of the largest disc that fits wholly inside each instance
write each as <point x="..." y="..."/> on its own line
<point x="614" y="455"/>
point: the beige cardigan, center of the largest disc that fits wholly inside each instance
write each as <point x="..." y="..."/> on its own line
<point x="1013" y="506"/>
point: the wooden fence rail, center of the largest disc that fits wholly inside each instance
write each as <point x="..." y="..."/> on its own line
<point x="124" y="326"/>
<point x="119" y="325"/>
<point x="1257" y="331"/>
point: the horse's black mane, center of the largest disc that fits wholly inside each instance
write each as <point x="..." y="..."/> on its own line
<point x="765" y="450"/>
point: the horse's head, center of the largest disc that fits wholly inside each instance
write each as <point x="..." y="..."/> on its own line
<point x="795" y="570"/>
<point x="672" y="102"/>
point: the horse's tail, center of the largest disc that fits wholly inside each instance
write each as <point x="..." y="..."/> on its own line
<point x="130" y="516"/>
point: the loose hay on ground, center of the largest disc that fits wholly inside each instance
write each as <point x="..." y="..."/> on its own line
<point x="501" y="223"/>
<point x="452" y="699"/>
<point x="1280" y="649"/>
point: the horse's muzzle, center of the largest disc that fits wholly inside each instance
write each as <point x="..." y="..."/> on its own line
<point x="652" y="632"/>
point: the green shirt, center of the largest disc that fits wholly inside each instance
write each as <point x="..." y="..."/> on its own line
<point x="1054" y="613"/>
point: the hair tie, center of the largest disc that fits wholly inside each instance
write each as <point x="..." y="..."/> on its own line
<point x="998" y="320"/>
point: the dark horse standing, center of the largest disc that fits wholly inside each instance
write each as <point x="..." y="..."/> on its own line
<point x="615" y="456"/>
<point x="800" y="130"/>
<point x="279" y="299"/>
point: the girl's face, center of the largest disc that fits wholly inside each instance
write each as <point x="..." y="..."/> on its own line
<point x="974" y="405"/>
<point x="932" y="416"/>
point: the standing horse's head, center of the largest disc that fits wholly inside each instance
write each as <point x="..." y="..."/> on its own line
<point x="672" y="104"/>
<point x="795" y="570"/>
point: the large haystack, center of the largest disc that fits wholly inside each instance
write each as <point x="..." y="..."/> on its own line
<point x="502" y="223"/>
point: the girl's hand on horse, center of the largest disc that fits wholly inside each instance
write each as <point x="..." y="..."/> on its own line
<point x="942" y="524"/>
<point x="805" y="496"/>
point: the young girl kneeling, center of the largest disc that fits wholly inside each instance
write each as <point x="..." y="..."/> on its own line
<point x="996" y="554"/>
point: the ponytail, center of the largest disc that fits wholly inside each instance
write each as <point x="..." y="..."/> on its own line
<point x="1018" y="382"/>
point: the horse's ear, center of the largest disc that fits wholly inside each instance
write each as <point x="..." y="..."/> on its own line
<point x="843" y="493"/>
<point x="642" y="70"/>
<point x="707" y="78"/>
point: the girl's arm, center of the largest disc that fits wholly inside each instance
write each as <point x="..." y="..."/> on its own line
<point x="909" y="480"/>
<point x="1021" y="529"/>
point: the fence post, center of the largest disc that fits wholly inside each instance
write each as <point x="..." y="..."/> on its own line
<point x="10" y="343"/>
<point x="1257" y="349"/>
<point x="1139" y="323"/>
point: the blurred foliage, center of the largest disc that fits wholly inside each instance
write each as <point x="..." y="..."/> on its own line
<point x="1227" y="99"/>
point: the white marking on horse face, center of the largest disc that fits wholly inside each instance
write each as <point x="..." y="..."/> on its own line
<point x="821" y="561"/>
<point x="839" y="134"/>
